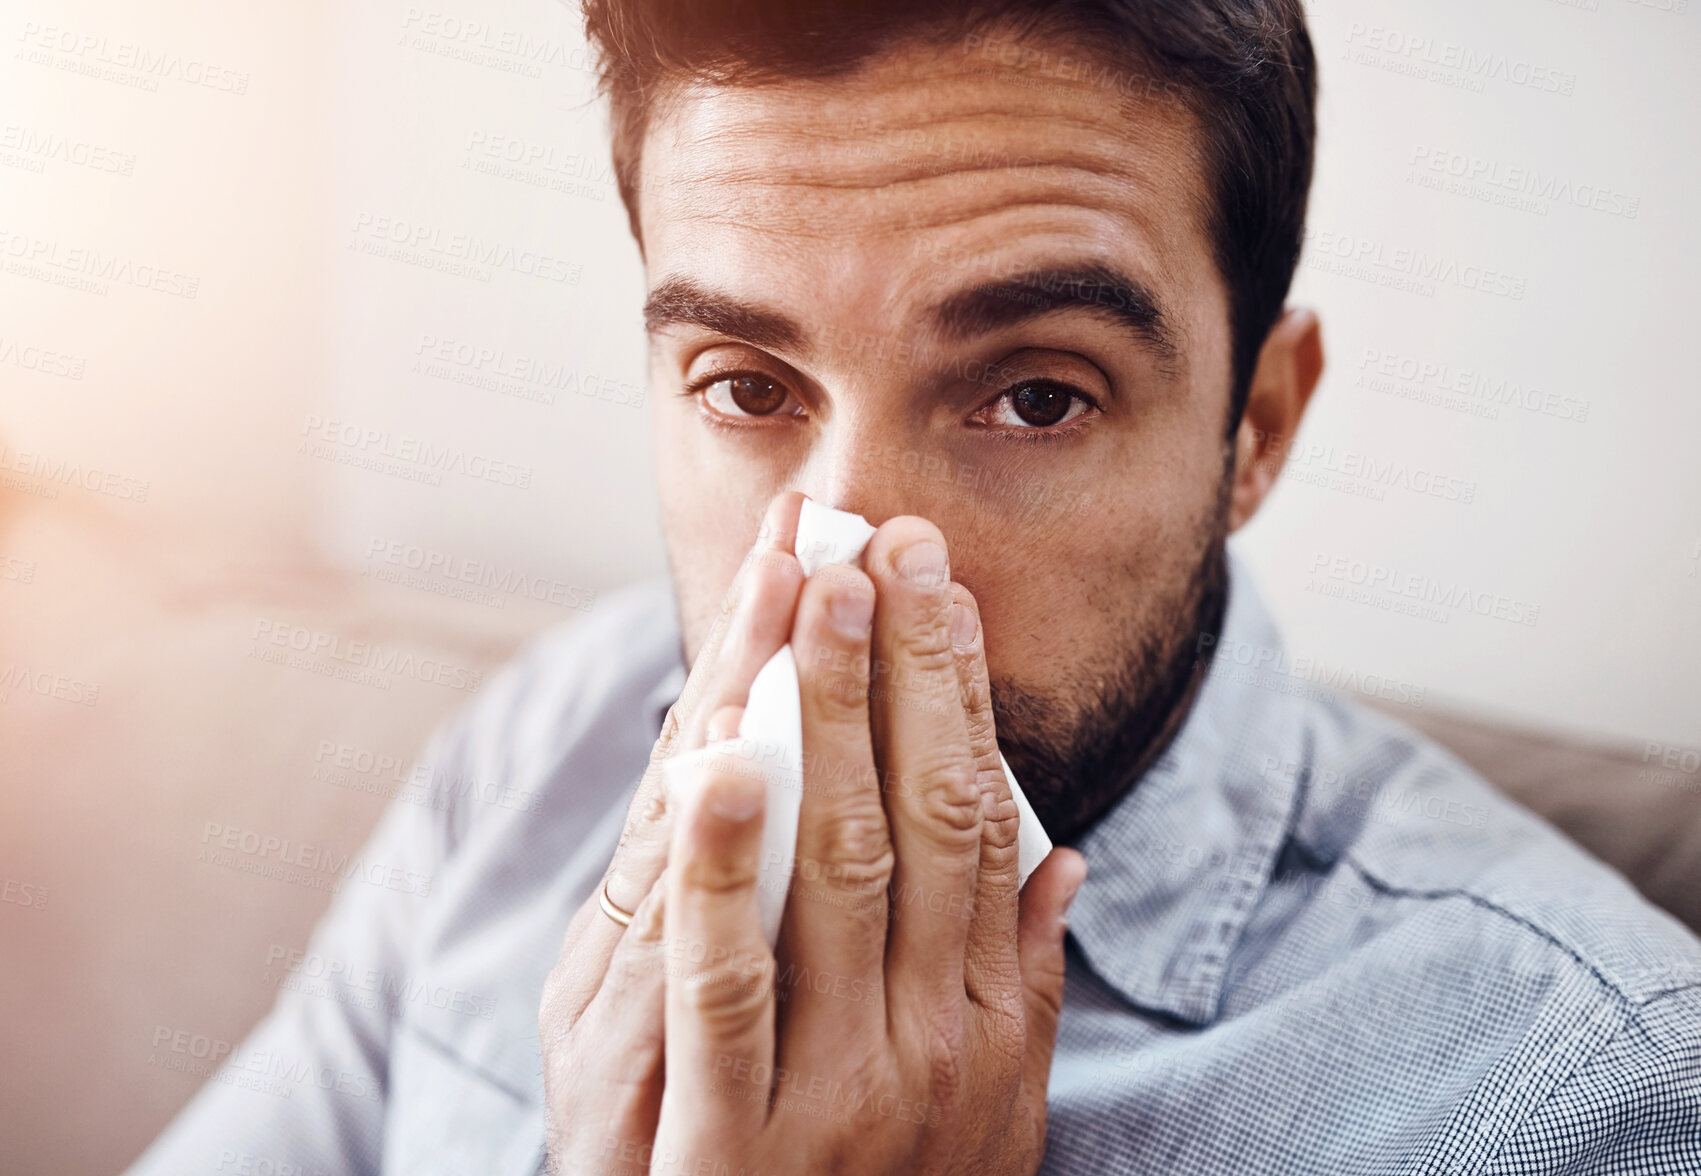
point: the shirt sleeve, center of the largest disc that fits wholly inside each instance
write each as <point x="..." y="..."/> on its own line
<point x="1633" y="1107"/>
<point x="305" y="1091"/>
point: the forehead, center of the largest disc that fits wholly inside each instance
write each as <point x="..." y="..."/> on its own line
<point x="926" y="162"/>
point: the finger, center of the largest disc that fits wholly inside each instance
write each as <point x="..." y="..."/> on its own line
<point x="723" y="724"/>
<point x="921" y="742"/>
<point x="756" y="625"/>
<point x="1050" y="889"/>
<point x="776" y="534"/>
<point x="608" y="1061"/>
<point x="991" y="972"/>
<point x="750" y="629"/>
<point x="832" y="940"/>
<point x="720" y="995"/>
<point x="760" y="623"/>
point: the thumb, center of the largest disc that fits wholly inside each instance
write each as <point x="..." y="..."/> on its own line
<point x="719" y="1019"/>
<point x="1039" y="946"/>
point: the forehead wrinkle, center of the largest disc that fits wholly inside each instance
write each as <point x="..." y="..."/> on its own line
<point x="973" y="213"/>
<point x="854" y="170"/>
<point x="921" y="85"/>
<point x="902" y="93"/>
<point x="1056" y="173"/>
<point x="914" y="196"/>
<point x="993" y="236"/>
<point x="867" y="160"/>
<point x="1113" y="185"/>
<point x="855" y="123"/>
<point x="1112" y="174"/>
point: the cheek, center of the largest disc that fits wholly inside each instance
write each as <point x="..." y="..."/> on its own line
<point x="704" y="564"/>
<point x="1035" y="583"/>
<point x="1066" y="596"/>
<point x="711" y="507"/>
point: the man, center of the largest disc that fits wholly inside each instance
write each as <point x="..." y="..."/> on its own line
<point x="1007" y="280"/>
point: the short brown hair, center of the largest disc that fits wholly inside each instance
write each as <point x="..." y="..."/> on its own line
<point x="1245" y="67"/>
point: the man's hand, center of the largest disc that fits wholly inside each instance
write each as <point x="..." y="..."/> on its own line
<point x="914" y="1038"/>
<point x="607" y="986"/>
<point x="909" y="1023"/>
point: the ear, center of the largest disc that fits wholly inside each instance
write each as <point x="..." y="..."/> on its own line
<point x="1289" y="366"/>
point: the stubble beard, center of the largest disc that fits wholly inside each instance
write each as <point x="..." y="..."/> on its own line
<point x="1075" y="762"/>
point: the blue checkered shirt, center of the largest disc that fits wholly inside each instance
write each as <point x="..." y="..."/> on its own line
<point x="1309" y="942"/>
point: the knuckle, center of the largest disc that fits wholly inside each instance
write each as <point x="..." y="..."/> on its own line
<point x="639" y="959"/>
<point x="944" y="1056"/>
<point x="631" y="968"/>
<point x="630" y="1070"/>
<point x="836" y="686"/>
<point x="950" y="799"/>
<point x="921" y="676"/>
<point x="671" y="724"/>
<point x="999" y="825"/>
<point x="983" y="733"/>
<point x="999" y="1005"/>
<point x="649" y="921"/>
<point x="732" y="997"/>
<point x="926" y="646"/>
<point x="858" y="855"/>
<point x="645" y="830"/>
<point x="719" y="874"/>
<point x="996" y="971"/>
<point x="642" y="821"/>
<point x="665" y="739"/>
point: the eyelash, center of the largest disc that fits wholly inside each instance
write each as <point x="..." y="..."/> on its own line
<point x="1032" y="435"/>
<point x="703" y="383"/>
<point x="1039" y="435"/>
<point x="1042" y="434"/>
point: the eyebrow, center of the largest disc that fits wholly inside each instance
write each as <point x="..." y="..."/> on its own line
<point x="1022" y="297"/>
<point x="680" y="301"/>
<point x="979" y="310"/>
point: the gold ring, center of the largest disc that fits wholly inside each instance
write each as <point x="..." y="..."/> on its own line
<point x="624" y="918"/>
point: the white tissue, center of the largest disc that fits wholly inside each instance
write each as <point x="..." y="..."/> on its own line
<point x="770" y="735"/>
<point x="827" y="536"/>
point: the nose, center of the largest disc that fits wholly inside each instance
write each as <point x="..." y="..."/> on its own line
<point x="877" y="468"/>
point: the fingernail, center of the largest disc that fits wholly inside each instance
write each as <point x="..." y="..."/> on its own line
<point x="852" y="613"/>
<point x="736" y="798"/>
<point x="924" y="563"/>
<point x="964" y="626"/>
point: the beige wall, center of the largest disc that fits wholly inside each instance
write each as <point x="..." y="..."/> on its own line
<point x="157" y="516"/>
<point x="315" y="212"/>
<point x="1515" y="334"/>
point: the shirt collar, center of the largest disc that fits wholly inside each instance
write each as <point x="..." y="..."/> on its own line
<point x="1176" y="868"/>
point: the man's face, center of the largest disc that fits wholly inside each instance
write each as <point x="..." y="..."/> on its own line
<point x="922" y="289"/>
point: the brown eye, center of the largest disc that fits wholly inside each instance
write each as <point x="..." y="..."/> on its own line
<point x="747" y="394"/>
<point x="1041" y="394"/>
<point x="756" y="396"/>
<point x="1041" y="403"/>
